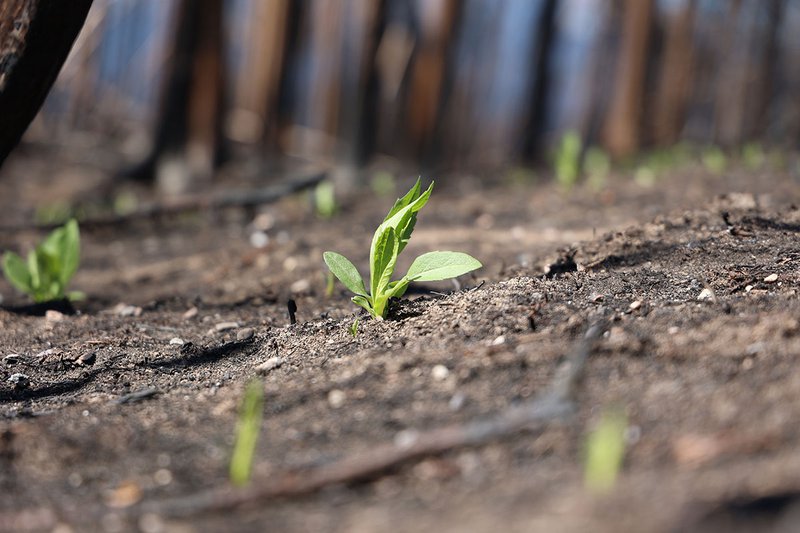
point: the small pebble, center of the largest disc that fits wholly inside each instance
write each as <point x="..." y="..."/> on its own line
<point x="457" y="401"/>
<point x="259" y="239"/>
<point x="225" y="326"/>
<point x="635" y="305"/>
<point x="300" y="286"/>
<point x="336" y="398"/>
<point x="122" y="309"/>
<point x="51" y="315"/>
<point x="177" y="341"/>
<point x="673" y="330"/>
<point x="440" y="372"/>
<point x="12" y="358"/>
<point x="597" y="298"/>
<point x="772" y="278"/>
<point x="244" y="334"/>
<point x="705" y="294"/>
<point x="19" y="381"/>
<point x="190" y="313"/>
<point x="499" y="340"/>
<point x="270" y="364"/>
<point x="87" y="359"/>
<point x="748" y="288"/>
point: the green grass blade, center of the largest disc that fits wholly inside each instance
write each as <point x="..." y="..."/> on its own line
<point x="247" y="430"/>
<point x="345" y="271"/>
<point x="436" y="266"/>
<point x="605" y="450"/>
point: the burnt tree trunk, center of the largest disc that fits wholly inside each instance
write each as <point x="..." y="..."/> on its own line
<point x="35" y="39"/>
<point x="623" y="124"/>
<point x="188" y="141"/>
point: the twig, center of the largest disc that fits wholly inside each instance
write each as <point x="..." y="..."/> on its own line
<point x="556" y="403"/>
<point x="193" y="202"/>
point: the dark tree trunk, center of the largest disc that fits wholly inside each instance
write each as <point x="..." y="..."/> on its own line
<point x="188" y="141"/>
<point x="535" y="123"/>
<point x="623" y="124"/>
<point x="35" y="39"/>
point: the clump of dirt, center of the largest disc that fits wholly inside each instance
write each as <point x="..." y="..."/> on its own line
<point x="126" y="415"/>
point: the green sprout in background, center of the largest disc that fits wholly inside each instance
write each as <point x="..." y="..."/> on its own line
<point x="567" y="160"/>
<point x="247" y="429"/>
<point x="597" y="166"/>
<point x="383" y="183"/>
<point x="50" y="266"/>
<point x="605" y="450"/>
<point x="325" y="199"/>
<point x="389" y="240"/>
<point x="353" y="329"/>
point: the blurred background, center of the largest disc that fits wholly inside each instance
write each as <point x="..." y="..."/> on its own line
<point x="181" y="88"/>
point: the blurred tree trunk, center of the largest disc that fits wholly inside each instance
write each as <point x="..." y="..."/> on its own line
<point x="730" y="79"/>
<point x="764" y="77"/>
<point x="541" y="55"/>
<point x="188" y="140"/>
<point x="675" y="79"/>
<point x="35" y="39"/>
<point x="623" y="123"/>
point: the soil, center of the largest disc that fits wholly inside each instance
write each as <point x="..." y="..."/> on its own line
<point x="130" y="405"/>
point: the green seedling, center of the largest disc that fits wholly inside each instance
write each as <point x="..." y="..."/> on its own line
<point x="714" y="159"/>
<point x="247" y="430"/>
<point x="605" y="449"/>
<point x="567" y="159"/>
<point x="49" y="267"/>
<point x="597" y="166"/>
<point x="389" y="240"/>
<point x="353" y="329"/>
<point x="325" y="199"/>
<point x="383" y="183"/>
<point x="329" y="284"/>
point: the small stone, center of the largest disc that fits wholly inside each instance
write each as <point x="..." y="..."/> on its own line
<point x="12" y="358"/>
<point x="673" y="330"/>
<point x="440" y="372"/>
<point x="772" y="278"/>
<point x="270" y="364"/>
<point x="597" y="298"/>
<point x="125" y="310"/>
<point x="51" y="315"/>
<point x="748" y="288"/>
<point x="244" y="334"/>
<point x="705" y="295"/>
<point x="300" y="286"/>
<point x="635" y="305"/>
<point x="457" y="401"/>
<point x="226" y="326"/>
<point x="19" y="381"/>
<point x="499" y="340"/>
<point x="259" y="239"/>
<point x="336" y="398"/>
<point x="190" y="313"/>
<point x="87" y="359"/>
<point x="177" y="341"/>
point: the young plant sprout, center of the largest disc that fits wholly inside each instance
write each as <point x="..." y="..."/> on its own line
<point x="247" y="430"/>
<point x="353" y="329"/>
<point x="389" y="240"/>
<point x="49" y="267"/>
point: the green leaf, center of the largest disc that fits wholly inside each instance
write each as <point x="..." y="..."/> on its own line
<point x="397" y="289"/>
<point x="410" y="196"/>
<point x="364" y="302"/>
<point x="345" y="272"/>
<point x="70" y="252"/>
<point x="436" y="266"/>
<point x="384" y="262"/>
<point x="16" y="272"/>
<point x="400" y="217"/>
<point x="247" y="430"/>
<point x="34" y="271"/>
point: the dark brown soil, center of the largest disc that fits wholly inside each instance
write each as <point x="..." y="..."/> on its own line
<point x="119" y="420"/>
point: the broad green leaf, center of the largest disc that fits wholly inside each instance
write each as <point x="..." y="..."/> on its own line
<point x="71" y="251"/>
<point x="410" y="196"/>
<point x="383" y="265"/>
<point x="16" y="272"/>
<point x="345" y="271"/>
<point x="436" y="266"/>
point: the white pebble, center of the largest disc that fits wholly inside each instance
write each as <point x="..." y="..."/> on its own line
<point x="177" y="341"/>
<point x="440" y="372"/>
<point x="336" y="398"/>
<point x="772" y="278"/>
<point x="270" y="364"/>
<point x="225" y="326"/>
<point x="705" y="294"/>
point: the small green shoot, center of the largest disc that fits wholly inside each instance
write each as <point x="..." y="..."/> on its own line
<point x="353" y="329"/>
<point x="714" y="159"/>
<point x="567" y="159"/>
<point x="597" y="166"/>
<point x="383" y="183"/>
<point x="605" y="449"/>
<point x="389" y="240"/>
<point x="247" y="430"/>
<point x="325" y="199"/>
<point x="49" y="267"/>
<point x="329" y="284"/>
